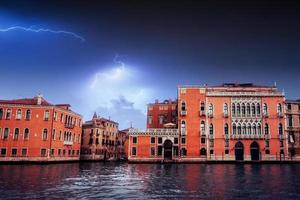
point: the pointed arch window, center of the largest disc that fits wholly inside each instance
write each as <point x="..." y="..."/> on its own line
<point x="233" y="109"/>
<point x="239" y="129"/>
<point x="202" y="128"/>
<point x="258" y="109"/>
<point x="225" y="109"/>
<point x="266" y="129"/>
<point x="28" y="114"/>
<point x="210" y="109"/>
<point x="279" y="108"/>
<point x="243" y="110"/>
<point x="280" y="129"/>
<point x="211" y="129"/>
<point x="244" y="129"/>
<point x="259" y="129"/>
<point x="26" y="133"/>
<point x="19" y="114"/>
<point x="253" y="109"/>
<point x="234" y="129"/>
<point x="226" y="129"/>
<point x="183" y="106"/>
<point x="248" y="109"/>
<point x="249" y="129"/>
<point x="16" y="133"/>
<point x="265" y="109"/>
<point x="238" y="109"/>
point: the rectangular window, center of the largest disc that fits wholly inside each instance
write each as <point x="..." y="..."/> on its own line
<point x="149" y="119"/>
<point x="52" y="152"/>
<point x="152" y="151"/>
<point x="46" y="115"/>
<point x="175" y="140"/>
<point x="211" y="151"/>
<point x="159" y="140"/>
<point x="43" y="152"/>
<point x="64" y="152"/>
<point x="183" y="140"/>
<point x="202" y="140"/>
<point x="24" y="152"/>
<point x="152" y="140"/>
<point x="60" y="135"/>
<point x="175" y="151"/>
<point x="289" y="106"/>
<point x="69" y="152"/>
<point x="77" y="152"/>
<point x="159" y="150"/>
<point x="161" y="119"/>
<point x="26" y="134"/>
<point x="3" y="152"/>
<point x="59" y="152"/>
<point x="14" y="152"/>
<point x="54" y="116"/>
<point x="134" y="151"/>
<point x="134" y="140"/>
<point x="5" y="133"/>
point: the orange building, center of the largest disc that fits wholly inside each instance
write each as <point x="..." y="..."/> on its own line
<point x="100" y="139"/>
<point x="226" y="122"/>
<point x="34" y="130"/>
<point x="292" y="113"/>
<point x="161" y="113"/>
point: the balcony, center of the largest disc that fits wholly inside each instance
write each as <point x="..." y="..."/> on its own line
<point x="183" y="112"/>
<point x="71" y="126"/>
<point x="68" y="142"/>
<point x="202" y="113"/>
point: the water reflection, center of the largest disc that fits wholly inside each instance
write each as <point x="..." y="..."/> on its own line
<point x="149" y="181"/>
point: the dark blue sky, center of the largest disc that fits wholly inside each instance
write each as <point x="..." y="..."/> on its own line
<point x="160" y="45"/>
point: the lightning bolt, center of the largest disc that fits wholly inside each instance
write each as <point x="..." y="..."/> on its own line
<point x="38" y="30"/>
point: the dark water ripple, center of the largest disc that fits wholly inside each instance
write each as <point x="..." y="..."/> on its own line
<point x="149" y="181"/>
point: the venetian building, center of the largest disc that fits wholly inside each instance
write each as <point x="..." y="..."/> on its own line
<point x="292" y="113"/>
<point x="99" y="139"/>
<point x="231" y="122"/>
<point x="32" y="129"/>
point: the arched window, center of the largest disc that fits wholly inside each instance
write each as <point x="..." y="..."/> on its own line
<point x="243" y="110"/>
<point x="249" y="129"/>
<point x="266" y="129"/>
<point x="1" y="113"/>
<point x="244" y="129"/>
<point x="225" y="109"/>
<point x="233" y="109"/>
<point x="202" y="128"/>
<point x="45" y="134"/>
<point x="248" y="109"/>
<point x="259" y="129"/>
<point x="183" y="127"/>
<point x="183" y="106"/>
<point x="46" y="115"/>
<point x="280" y="129"/>
<point x="211" y="129"/>
<point x="16" y="133"/>
<point x="253" y="109"/>
<point x="238" y="109"/>
<point x="8" y="114"/>
<point x="279" y="108"/>
<point x="19" y="114"/>
<point x="26" y="133"/>
<point x="233" y="129"/>
<point x="254" y="129"/>
<point x="226" y="129"/>
<point x="265" y="109"/>
<point x="28" y="115"/>
<point x="239" y="129"/>
<point x="203" y="152"/>
<point x="210" y="109"/>
<point x="258" y="109"/>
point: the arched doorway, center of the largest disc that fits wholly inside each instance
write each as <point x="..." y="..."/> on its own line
<point x="254" y="150"/>
<point x="168" y="150"/>
<point x="239" y="151"/>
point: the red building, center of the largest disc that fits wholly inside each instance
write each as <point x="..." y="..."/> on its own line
<point x="161" y="113"/>
<point x="226" y="122"/>
<point x="33" y="129"/>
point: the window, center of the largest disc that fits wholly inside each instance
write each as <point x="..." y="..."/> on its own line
<point x="46" y="115"/>
<point x="152" y="140"/>
<point x="134" y="151"/>
<point x="210" y="109"/>
<point x="225" y="109"/>
<point x="160" y="140"/>
<point x="267" y="143"/>
<point x="183" y="152"/>
<point x="203" y="140"/>
<point x="202" y="107"/>
<point x="45" y="134"/>
<point x="59" y="152"/>
<point x="54" y="116"/>
<point x="134" y="140"/>
<point x="26" y="133"/>
<point x="202" y="128"/>
<point x="267" y="151"/>
<point x="60" y="135"/>
<point x="8" y="114"/>
<point x="253" y="111"/>
<point x="226" y="143"/>
<point x="258" y="109"/>
<point x="152" y="151"/>
<point x="159" y="150"/>
<point x="243" y="110"/>
<point x="226" y="151"/>
<point x="244" y="129"/>
<point x="175" y="151"/>
<point x="281" y="143"/>
<point x="161" y="119"/>
<point x="16" y="133"/>
<point x="211" y="151"/>
<point x="149" y="119"/>
<point x="5" y="133"/>
<point x="280" y="129"/>
<point x="238" y="109"/>
<point x="1" y="113"/>
<point x="14" y="152"/>
<point x="233" y="109"/>
<point x="226" y="129"/>
<point x="53" y="134"/>
<point x="211" y="143"/>
<point x="19" y="114"/>
<point x="24" y="152"/>
<point x="259" y="129"/>
<point x="183" y="127"/>
<point x="239" y="129"/>
<point x="248" y="109"/>
<point x="183" y="140"/>
<point x="266" y="129"/>
<point x="279" y="108"/>
<point x="175" y="140"/>
<point x="233" y="129"/>
<point x="254" y="129"/>
<point x="3" y="152"/>
<point x="290" y="120"/>
<point x="183" y="106"/>
<point x="43" y="152"/>
<point x="289" y="106"/>
<point x="28" y="115"/>
<point x="203" y="152"/>
<point x="211" y="129"/>
<point x="265" y="109"/>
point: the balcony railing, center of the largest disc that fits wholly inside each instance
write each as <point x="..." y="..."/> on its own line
<point x="69" y="126"/>
<point x="183" y="112"/>
<point x="68" y="142"/>
<point x="247" y="136"/>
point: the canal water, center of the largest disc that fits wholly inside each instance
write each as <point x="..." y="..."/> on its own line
<point x="150" y="181"/>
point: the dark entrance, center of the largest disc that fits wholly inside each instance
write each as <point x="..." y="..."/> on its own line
<point x="168" y="150"/>
<point x="254" y="149"/>
<point x="239" y="151"/>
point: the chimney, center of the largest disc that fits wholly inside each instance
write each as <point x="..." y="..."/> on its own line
<point x="39" y="99"/>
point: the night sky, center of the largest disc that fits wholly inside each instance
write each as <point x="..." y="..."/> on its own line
<point x="114" y="57"/>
